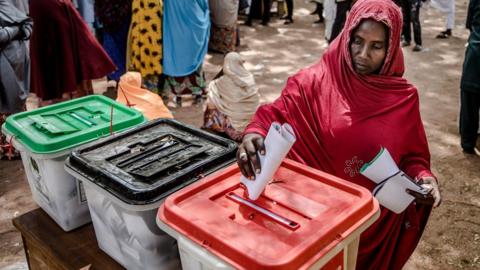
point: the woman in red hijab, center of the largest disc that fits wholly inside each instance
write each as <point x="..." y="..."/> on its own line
<point x="343" y="110"/>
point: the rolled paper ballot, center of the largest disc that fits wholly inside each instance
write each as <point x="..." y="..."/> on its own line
<point x="278" y="142"/>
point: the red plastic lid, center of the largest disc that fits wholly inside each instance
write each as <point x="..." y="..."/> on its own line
<point x="308" y="213"/>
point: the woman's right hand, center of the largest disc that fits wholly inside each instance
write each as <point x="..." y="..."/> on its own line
<point x="247" y="157"/>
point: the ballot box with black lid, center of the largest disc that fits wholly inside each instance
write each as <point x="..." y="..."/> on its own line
<point x="127" y="177"/>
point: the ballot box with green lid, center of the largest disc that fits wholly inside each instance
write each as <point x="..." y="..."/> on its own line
<point x="304" y="219"/>
<point x="46" y="136"/>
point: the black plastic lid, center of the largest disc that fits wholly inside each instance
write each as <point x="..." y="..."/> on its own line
<point x="149" y="162"/>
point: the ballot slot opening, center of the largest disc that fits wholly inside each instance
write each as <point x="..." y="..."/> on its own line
<point x="277" y="218"/>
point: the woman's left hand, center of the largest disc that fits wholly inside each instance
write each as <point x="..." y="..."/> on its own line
<point x="433" y="197"/>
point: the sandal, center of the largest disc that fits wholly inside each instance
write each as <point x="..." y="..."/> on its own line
<point x="178" y="101"/>
<point x="444" y="34"/>
<point x="197" y="99"/>
<point x="405" y="43"/>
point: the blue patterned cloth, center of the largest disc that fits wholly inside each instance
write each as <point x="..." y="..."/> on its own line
<point x="186" y="30"/>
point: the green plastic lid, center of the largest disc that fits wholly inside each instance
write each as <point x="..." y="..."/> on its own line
<point x="68" y="124"/>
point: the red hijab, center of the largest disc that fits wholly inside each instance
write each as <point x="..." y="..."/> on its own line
<point x="342" y="119"/>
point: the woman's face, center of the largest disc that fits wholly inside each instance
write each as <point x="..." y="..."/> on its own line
<point x="368" y="47"/>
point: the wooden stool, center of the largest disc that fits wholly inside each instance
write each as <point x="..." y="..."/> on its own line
<point x="47" y="246"/>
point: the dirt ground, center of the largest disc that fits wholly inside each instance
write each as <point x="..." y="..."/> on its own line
<point x="452" y="237"/>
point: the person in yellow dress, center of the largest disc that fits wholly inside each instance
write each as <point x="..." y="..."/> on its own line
<point x="145" y="43"/>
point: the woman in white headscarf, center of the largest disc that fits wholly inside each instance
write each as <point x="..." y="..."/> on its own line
<point x="223" y="34"/>
<point x="232" y="99"/>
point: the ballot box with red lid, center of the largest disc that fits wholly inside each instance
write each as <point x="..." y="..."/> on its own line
<point x="305" y="219"/>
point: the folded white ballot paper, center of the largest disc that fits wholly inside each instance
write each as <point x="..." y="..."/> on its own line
<point x="278" y="142"/>
<point x="391" y="182"/>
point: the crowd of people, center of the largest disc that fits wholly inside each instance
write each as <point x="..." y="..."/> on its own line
<point x="55" y="48"/>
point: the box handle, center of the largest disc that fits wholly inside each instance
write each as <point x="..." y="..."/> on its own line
<point x="279" y="219"/>
<point x="82" y="119"/>
<point x="51" y="127"/>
